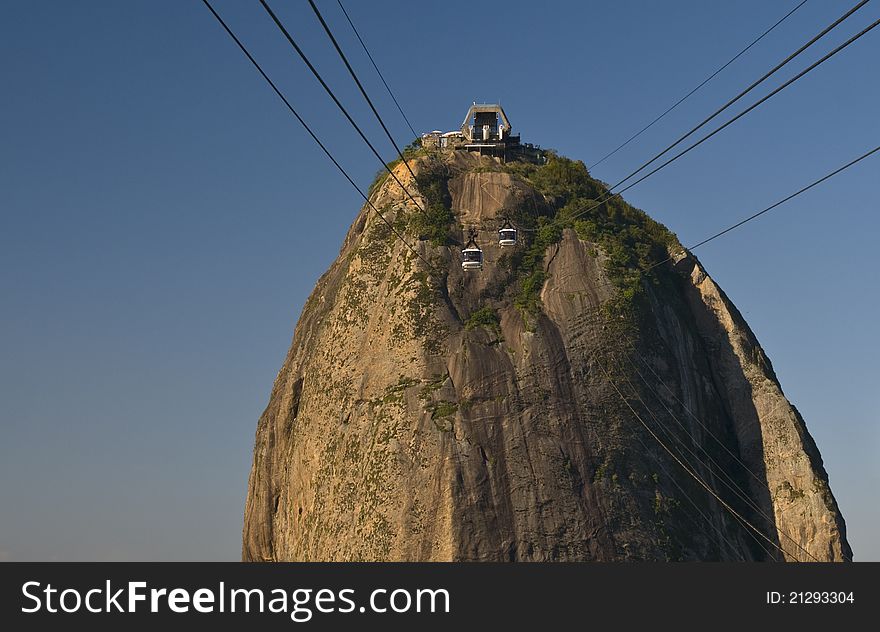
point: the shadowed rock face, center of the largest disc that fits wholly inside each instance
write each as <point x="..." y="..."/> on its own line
<point x="395" y="432"/>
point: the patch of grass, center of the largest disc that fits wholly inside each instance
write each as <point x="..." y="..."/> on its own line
<point x="599" y="476"/>
<point x="435" y="222"/>
<point x="442" y="409"/>
<point x="394" y="393"/>
<point x="413" y="148"/>
<point x="567" y="197"/>
<point x="421" y="313"/>
<point x="530" y="266"/>
<point x="433" y="385"/>
<point x="563" y="180"/>
<point x="631" y="240"/>
<point x="440" y="414"/>
<point x="484" y="317"/>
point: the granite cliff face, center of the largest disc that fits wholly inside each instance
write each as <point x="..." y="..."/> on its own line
<point x="557" y="405"/>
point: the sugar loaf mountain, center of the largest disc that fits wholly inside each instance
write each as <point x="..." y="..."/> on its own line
<point x="584" y="391"/>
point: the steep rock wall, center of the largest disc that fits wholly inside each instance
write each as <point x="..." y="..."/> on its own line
<point x="394" y="431"/>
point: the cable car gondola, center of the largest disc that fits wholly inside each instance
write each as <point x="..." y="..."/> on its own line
<point x="507" y="234"/>
<point x="472" y="256"/>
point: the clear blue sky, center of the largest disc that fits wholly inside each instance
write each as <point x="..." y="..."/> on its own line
<point x="163" y="219"/>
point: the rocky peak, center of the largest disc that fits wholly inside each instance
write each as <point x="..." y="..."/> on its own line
<point x="521" y="412"/>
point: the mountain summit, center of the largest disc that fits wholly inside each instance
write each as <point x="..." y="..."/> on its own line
<point x="589" y="394"/>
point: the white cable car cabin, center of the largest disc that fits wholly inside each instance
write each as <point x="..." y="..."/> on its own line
<point x="472" y="259"/>
<point x="472" y="256"/>
<point x="507" y="234"/>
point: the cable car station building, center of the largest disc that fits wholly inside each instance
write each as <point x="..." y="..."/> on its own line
<point x="486" y="130"/>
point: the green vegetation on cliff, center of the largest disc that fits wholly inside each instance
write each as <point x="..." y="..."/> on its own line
<point x="567" y="197"/>
<point x="484" y="317"/>
<point x="435" y="222"/>
<point x="631" y="240"/>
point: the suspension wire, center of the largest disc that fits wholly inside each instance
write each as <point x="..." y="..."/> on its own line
<point x="741" y="493"/>
<point x="728" y="123"/>
<point x="738" y="490"/>
<point x="750" y="218"/>
<point x="772" y="206"/>
<point x="704" y="82"/>
<point x="748" y="109"/>
<point x="697" y="419"/>
<point x="399" y="236"/>
<point x="733" y="485"/>
<point x="379" y="72"/>
<point x="360" y="87"/>
<point x="737" y="518"/>
<point x="722" y="537"/>
<point x="672" y="479"/>
<point x="673" y="437"/>
<point x="341" y="107"/>
<point x="690" y="472"/>
<point x="715" y="236"/>
<point x="754" y="85"/>
<point x="312" y="134"/>
<point x="643" y="361"/>
<point x="341" y="169"/>
<point x="705" y="427"/>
